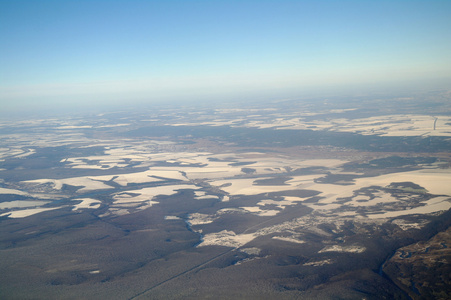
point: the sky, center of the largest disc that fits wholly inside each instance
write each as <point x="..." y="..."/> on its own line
<point x="62" y="53"/>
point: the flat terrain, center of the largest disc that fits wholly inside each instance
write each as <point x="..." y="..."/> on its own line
<point x="292" y="199"/>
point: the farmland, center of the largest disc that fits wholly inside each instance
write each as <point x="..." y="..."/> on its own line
<point x="272" y="200"/>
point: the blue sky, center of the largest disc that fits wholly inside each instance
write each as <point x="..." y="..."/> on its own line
<point x="69" y="52"/>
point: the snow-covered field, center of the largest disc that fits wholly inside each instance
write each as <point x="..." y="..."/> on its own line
<point x="139" y="171"/>
<point x="224" y="173"/>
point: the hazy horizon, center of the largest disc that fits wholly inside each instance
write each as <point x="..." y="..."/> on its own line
<point x="69" y="54"/>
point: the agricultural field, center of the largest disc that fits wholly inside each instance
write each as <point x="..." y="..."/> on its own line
<point x="312" y="199"/>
